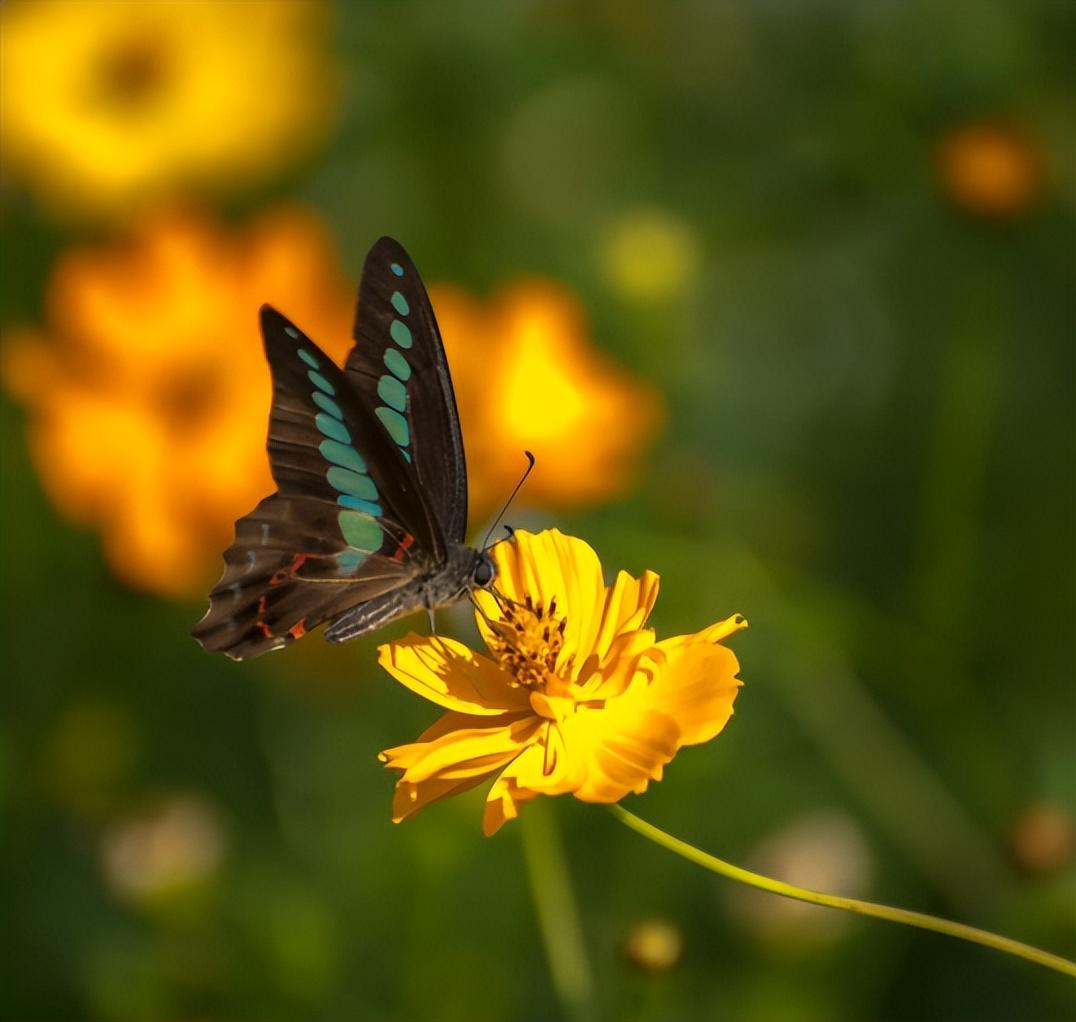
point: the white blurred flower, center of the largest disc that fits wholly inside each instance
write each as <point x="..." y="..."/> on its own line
<point x="823" y="851"/>
<point x="177" y="846"/>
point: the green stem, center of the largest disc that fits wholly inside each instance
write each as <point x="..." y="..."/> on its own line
<point x="864" y="908"/>
<point x="558" y="914"/>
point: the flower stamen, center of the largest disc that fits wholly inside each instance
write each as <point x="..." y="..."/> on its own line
<point x="527" y="641"/>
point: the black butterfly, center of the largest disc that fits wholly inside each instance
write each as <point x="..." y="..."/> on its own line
<point x="369" y="517"/>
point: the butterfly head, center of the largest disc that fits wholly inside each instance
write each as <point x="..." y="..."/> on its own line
<point x="484" y="571"/>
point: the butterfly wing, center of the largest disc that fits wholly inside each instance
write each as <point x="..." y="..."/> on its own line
<point x="348" y="524"/>
<point x="398" y="365"/>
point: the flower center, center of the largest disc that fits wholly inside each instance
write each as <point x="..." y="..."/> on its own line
<point x="132" y="72"/>
<point x="187" y="396"/>
<point x="528" y="639"/>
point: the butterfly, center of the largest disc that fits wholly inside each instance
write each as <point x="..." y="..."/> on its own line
<point x="369" y="517"/>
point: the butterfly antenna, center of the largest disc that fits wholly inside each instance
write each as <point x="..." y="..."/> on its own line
<point x="511" y="497"/>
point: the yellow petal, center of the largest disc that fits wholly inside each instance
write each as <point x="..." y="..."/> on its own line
<point x="598" y="755"/>
<point x="629" y="653"/>
<point x="503" y="804"/>
<point x="719" y="631"/>
<point x="449" y="674"/>
<point x="462" y="745"/>
<point x="696" y="687"/>
<point x="628" y="602"/>
<point x="550" y="566"/>
<point x="409" y="798"/>
<point x="620" y="748"/>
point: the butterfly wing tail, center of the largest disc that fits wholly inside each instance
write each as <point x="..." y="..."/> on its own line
<point x="269" y="595"/>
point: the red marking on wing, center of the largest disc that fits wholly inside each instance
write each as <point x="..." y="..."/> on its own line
<point x="298" y="630"/>
<point x="260" y="623"/>
<point x="405" y="545"/>
<point x="297" y="562"/>
<point x="283" y="574"/>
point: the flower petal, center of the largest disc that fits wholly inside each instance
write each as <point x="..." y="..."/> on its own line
<point x="505" y="798"/>
<point x="628" y="602"/>
<point x="697" y="686"/>
<point x="451" y="675"/>
<point x="620" y="748"/>
<point x="409" y="798"/>
<point x="550" y="566"/>
<point x="462" y="745"/>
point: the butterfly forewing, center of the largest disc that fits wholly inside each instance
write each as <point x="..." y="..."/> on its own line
<point x="333" y="536"/>
<point x="398" y="366"/>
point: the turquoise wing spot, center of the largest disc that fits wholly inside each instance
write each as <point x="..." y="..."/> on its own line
<point x="401" y="334"/>
<point x="358" y="504"/>
<point x="327" y="404"/>
<point x="399" y="303"/>
<point x="396" y="424"/>
<point x="396" y="268"/>
<point x="392" y="392"/>
<point x="342" y="454"/>
<point x="332" y="428"/>
<point x="407" y="455"/>
<point x="294" y="335"/>
<point x="343" y="480"/>
<point x="307" y="357"/>
<point x="361" y="531"/>
<point x="349" y="559"/>
<point x="321" y="383"/>
<point x="397" y="364"/>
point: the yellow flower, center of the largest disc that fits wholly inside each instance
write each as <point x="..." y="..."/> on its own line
<point x="650" y="256"/>
<point x="149" y="394"/>
<point x="576" y="696"/>
<point x="990" y="169"/>
<point x="113" y="102"/>
<point x="528" y="378"/>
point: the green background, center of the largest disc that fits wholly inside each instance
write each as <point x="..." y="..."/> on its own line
<point x="869" y="452"/>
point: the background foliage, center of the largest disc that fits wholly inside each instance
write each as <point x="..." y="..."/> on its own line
<point x="775" y="214"/>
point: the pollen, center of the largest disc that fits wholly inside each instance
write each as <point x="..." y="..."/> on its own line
<point x="528" y="640"/>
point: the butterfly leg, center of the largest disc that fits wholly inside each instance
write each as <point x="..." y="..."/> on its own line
<point x="478" y="610"/>
<point x="433" y="621"/>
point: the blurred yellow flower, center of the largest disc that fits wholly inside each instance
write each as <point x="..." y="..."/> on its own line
<point x="115" y="102"/>
<point x="576" y="697"/>
<point x="528" y="378"/>
<point x="149" y="396"/>
<point x="990" y="169"/>
<point x="649" y="256"/>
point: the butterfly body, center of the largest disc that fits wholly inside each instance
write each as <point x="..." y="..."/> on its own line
<point x="466" y="568"/>
<point x="369" y="518"/>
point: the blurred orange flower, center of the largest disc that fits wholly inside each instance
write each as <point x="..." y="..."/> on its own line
<point x="990" y="169"/>
<point x="528" y="378"/>
<point x="113" y="102"/>
<point x="150" y="395"/>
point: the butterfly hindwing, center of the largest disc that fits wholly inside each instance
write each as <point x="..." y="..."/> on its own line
<point x="348" y="524"/>
<point x="398" y="366"/>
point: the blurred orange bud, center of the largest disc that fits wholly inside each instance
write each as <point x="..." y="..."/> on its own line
<point x="1044" y="838"/>
<point x="654" y="945"/>
<point x="990" y="169"/>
